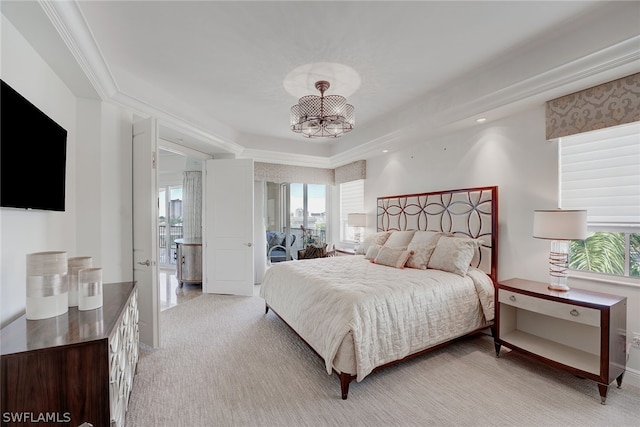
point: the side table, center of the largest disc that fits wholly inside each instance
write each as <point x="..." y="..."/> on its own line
<point x="579" y="331"/>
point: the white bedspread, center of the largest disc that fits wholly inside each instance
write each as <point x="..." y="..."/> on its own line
<point x="390" y="312"/>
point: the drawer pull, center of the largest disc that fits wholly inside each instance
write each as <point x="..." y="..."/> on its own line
<point x="574" y="312"/>
<point x="512" y="298"/>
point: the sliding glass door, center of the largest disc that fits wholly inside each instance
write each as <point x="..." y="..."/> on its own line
<point x="299" y="212"/>
<point x="308" y="215"/>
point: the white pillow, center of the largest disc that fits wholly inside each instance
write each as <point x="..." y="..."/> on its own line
<point x="372" y="252"/>
<point x="399" y="239"/>
<point x="378" y="238"/>
<point x="392" y="257"/>
<point x="421" y="254"/>
<point x="421" y="236"/>
<point x="453" y="254"/>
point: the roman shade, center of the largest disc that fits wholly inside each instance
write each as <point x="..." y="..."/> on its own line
<point x="351" y="172"/>
<point x="273" y="172"/>
<point x="609" y="104"/>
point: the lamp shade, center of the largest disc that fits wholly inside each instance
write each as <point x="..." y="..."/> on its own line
<point x="559" y="224"/>
<point x="357" y="220"/>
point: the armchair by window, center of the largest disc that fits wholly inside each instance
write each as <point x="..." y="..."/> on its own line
<point x="276" y="250"/>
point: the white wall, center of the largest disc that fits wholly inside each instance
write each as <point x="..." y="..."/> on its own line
<point x="513" y="154"/>
<point x="24" y="232"/>
<point x="116" y="195"/>
<point x="97" y="220"/>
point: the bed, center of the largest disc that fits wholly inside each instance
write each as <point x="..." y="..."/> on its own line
<point x="425" y="278"/>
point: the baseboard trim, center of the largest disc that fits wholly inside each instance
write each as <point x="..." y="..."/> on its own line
<point x="632" y="377"/>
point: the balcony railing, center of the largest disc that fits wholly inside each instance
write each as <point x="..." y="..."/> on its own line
<point x="167" y="243"/>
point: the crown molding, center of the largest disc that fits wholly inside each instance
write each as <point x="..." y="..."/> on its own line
<point x="287" y="158"/>
<point x="427" y="119"/>
<point x="608" y="64"/>
<point x="70" y="24"/>
<point x="191" y="131"/>
<point x="422" y="120"/>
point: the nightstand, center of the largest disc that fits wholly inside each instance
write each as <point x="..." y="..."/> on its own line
<point x="579" y="331"/>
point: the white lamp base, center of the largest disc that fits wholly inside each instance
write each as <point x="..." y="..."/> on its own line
<point x="558" y="264"/>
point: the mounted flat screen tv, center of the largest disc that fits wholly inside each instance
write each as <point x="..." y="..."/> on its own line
<point x="33" y="155"/>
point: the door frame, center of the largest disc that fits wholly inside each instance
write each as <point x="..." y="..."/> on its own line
<point x="182" y="150"/>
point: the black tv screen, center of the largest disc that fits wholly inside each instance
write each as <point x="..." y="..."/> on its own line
<point x="33" y="154"/>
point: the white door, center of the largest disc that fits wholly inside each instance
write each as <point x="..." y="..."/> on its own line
<point x="145" y="228"/>
<point x="229" y="226"/>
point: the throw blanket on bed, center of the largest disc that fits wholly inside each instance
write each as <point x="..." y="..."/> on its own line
<point x="390" y="312"/>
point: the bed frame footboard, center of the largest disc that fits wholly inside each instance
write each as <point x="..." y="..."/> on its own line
<point x="345" y="378"/>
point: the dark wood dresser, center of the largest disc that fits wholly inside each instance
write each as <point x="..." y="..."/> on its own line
<point x="74" y="368"/>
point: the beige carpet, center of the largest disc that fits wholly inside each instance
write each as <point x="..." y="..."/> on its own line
<point x="224" y="363"/>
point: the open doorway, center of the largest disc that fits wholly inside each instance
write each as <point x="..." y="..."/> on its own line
<point x="179" y="263"/>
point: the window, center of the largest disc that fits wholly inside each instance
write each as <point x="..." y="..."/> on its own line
<point x="169" y="222"/>
<point x="351" y="201"/>
<point x="308" y="203"/>
<point x="600" y="172"/>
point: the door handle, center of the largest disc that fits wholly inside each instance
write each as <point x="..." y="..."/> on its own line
<point x="248" y="244"/>
<point x="147" y="263"/>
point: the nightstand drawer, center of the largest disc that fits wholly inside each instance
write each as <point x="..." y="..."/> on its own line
<point x="574" y="313"/>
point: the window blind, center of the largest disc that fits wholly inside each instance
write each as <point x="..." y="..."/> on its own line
<point x="351" y="201"/>
<point x="600" y="172"/>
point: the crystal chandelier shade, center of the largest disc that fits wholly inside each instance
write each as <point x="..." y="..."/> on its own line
<point x="322" y="116"/>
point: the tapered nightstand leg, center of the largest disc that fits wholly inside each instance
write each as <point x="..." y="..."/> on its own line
<point x="603" y="388"/>
<point x="619" y="380"/>
<point x="497" y="345"/>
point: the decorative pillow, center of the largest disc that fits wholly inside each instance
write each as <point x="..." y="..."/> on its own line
<point x="421" y="254"/>
<point x="392" y="257"/>
<point x="378" y="239"/>
<point x="428" y="236"/>
<point x="422" y="244"/>
<point x="313" y="251"/>
<point x="372" y="252"/>
<point x="399" y="239"/>
<point x="453" y="254"/>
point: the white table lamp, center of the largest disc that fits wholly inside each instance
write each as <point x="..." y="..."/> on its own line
<point x="357" y="220"/>
<point x="559" y="226"/>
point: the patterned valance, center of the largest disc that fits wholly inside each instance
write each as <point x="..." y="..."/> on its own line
<point x="287" y="173"/>
<point x="351" y="172"/>
<point x="273" y="172"/>
<point x="609" y="104"/>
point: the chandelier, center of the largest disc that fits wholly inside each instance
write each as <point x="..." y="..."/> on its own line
<point x="322" y="116"/>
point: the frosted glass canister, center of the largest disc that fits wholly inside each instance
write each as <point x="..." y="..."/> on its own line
<point x="76" y="264"/>
<point x="47" y="286"/>
<point x="89" y="288"/>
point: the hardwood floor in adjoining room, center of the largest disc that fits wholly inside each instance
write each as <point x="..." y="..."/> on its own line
<point x="171" y="293"/>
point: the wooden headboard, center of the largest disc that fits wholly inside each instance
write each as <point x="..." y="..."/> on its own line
<point x="471" y="212"/>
